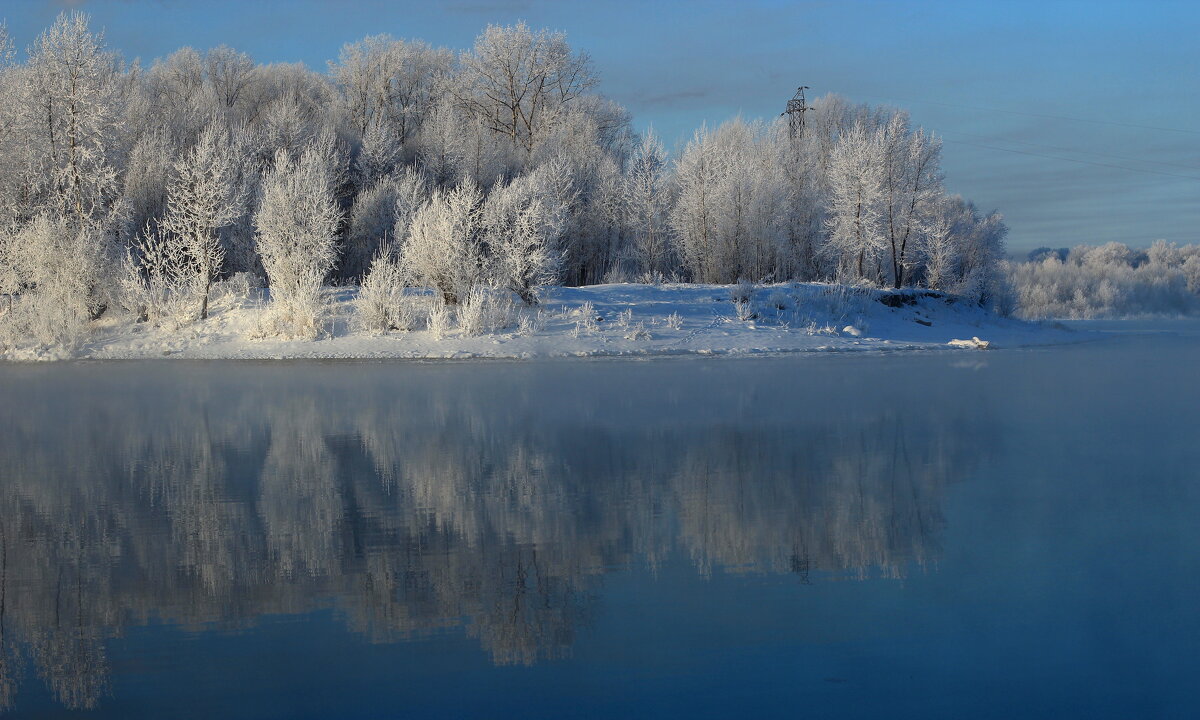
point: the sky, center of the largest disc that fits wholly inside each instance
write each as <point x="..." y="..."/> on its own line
<point x="1078" y="120"/>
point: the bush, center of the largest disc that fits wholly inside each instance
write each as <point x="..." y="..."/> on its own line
<point x="52" y="280"/>
<point x="484" y="311"/>
<point x="383" y="303"/>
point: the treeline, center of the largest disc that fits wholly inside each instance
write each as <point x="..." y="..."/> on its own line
<point x="1111" y="280"/>
<point x="134" y="189"/>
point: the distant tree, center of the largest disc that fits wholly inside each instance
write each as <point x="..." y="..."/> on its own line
<point x="390" y="84"/>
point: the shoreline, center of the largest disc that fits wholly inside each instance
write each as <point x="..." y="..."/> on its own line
<point x="598" y="321"/>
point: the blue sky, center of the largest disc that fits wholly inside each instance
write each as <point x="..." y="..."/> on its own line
<point x="1077" y="120"/>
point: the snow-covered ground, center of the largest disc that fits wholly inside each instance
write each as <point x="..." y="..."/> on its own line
<point x="605" y="320"/>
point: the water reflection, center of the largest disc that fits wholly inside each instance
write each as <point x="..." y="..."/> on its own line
<point x="412" y="499"/>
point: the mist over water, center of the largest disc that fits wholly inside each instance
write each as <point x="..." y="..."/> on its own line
<point x="976" y="534"/>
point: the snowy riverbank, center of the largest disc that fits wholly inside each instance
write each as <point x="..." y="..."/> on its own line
<point x="601" y="320"/>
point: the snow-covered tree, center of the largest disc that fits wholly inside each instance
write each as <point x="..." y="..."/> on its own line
<point x="912" y="186"/>
<point x="941" y="249"/>
<point x="444" y="247"/>
<point x="412" y="192"/>
<point x="390" y="84"/>
<point x="647" y="203"/>
<point x="524" y="222"/>
<point x="202" y="199"/>
<point x="518" y="80"/>
<point x="696" y="213"/>
<point x="297" y="224"/>
<point x="74" y="98"/>
<point x="857" y="211"/>
<point x="728" y="218"/>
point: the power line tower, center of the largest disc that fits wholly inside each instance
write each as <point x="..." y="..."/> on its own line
<point x="796" y="108"/>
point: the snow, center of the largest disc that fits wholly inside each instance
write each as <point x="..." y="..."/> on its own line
<point x="603" y="320"/>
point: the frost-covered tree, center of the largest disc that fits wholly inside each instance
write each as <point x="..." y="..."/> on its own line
<point x="524" y="222"/>
<point x="647" y="195"/>
<point x="980" y="250"/>
<point x="381" y="217"/>
<point x="695" y="215"/>
<point x="912" y="186"/>
<point x="728" y="216"/>
<point x="444" y="247"/>
<point x="593" y="173"/>
<point x="73" y="114"/>
<point x="229" y="74"/>
<point x="518" y="80"/>
<point x="297" y="223"/>
<point x="412" y="192"/>
<point x="390" y="84"/>
<point x="372" y="220"/>
<point x="941" y="247"/>
<point x="378" y="156"/>
<point x="202" y="199"/>
<point x="857" y="211"/>
<point x="1112" y="280"/>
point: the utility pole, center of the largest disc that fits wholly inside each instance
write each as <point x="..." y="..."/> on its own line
<point x="796" y="108"/>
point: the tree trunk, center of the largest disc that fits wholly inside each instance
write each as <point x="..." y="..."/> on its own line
<point x="204" y="301"/>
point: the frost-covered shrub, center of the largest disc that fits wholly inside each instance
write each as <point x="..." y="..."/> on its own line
<point x="531" y="322"/>
<point x="836" y="304"/>
<point x="382" y="303"/>
<point x="625" y="318"/>
<point x="237" y="289"/>
<point x="673" y="321"/>
<point x="51" y="276"/>
<point x="586" y="320"/>
<point x="742" y="292"/>
<point x="742" y="297"/>
<point x="441" y="318"/>
<point x="524" y="222"/>
<point x="637" y="331"/>
<point x="485" y="311"/>
<point x="779" y="301"/>
<point x="381" y="217"/>
<point x="154" y="283"/>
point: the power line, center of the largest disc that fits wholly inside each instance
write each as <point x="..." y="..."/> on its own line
<point x="1074" y="160"/>
<point x="1046" y="116"/>
<point x="1077" y="150"/>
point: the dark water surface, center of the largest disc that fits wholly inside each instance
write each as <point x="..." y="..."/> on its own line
<point x="1002" y="534"/>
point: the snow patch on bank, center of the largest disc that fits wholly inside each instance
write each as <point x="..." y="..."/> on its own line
<point x="604" y="320"/>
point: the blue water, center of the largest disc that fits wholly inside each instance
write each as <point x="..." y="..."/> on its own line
<point x="976" y="534"/>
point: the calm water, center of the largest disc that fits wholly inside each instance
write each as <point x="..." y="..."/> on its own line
<point x="1003" y="534"/>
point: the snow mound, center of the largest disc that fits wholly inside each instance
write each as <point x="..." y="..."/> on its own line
<point x="972" y="344"/>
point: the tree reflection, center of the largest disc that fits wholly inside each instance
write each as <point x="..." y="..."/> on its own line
<point x="461" y="500"/>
